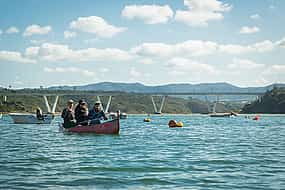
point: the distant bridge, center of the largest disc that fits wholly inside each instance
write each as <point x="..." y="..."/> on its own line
<point x="204" y="93"/>
<point x="45" y="93"/>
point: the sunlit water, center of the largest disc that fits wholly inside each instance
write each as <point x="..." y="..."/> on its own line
<point x="207" y="153"/>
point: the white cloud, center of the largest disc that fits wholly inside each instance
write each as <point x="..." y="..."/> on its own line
<point x="80" y="71"/>
<point x="58" y="52"/>
<point x="280" y="68"/>
<point x="12" y="56"/>
<point x="104" y="70"/>
<point x="134" y="73"/>
<point x="37" y="42"/>
<point x="146" y="61"/>
<point x="1" y="32"/>
<point x="275" y="69"/>
<point x="96" y="25"/>
<point x="235" y="49"/>
<point x="191" y="67"/>
<point x="37" y="30"/>
<point x="281" y="43"/>
<point x="275" y="73"/>
<point x="32" y="52"/>
<point x="12" y="30"/>
<point x="249" y="30"/>
<point x="244" y="64"/>
<point x="255" y="16"/>
<point x="150" y="14"/>
<point x="264" y="46"/>
<point x="199" y="12"/>
<point x="69" y="34"/>
<point x="189" y="48"/>
<point x="196" y="48"/>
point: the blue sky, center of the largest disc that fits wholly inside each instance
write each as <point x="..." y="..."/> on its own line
<point x="70" y="42"/>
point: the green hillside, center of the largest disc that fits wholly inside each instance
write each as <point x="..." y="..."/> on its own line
<point x="125" y="102"/>
<point x="272" y="102"/>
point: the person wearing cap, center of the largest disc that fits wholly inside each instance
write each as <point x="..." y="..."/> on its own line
<point x="96" y="114"/>
<point x="82" y="114"/>
<point x="68" y="115"/>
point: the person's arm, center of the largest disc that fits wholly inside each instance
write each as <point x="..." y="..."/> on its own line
<point x="104" y="116"/>
<point x="63" y="114"/>
<point x="90" y="115"/>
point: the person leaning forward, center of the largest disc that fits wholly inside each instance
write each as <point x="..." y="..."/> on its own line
<point x="68" y="115"/>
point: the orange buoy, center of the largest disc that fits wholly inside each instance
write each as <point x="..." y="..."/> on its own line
<point x="256" y="118"/>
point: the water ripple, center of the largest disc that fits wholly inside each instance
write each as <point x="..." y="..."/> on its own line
<point x="207" y="153"/>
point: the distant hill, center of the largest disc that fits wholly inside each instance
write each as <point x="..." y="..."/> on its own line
<point x="140" y="88"/>
<point x="272" y="102"/>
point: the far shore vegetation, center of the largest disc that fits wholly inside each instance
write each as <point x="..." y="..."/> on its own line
<point x="27" y="100"/>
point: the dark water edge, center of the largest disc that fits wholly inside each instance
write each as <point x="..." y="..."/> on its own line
<point x="207" y="153"/>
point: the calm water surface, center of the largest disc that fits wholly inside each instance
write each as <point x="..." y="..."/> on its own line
<point x="207" y="153"/>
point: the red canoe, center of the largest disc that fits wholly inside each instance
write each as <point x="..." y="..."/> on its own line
<point x="109" y="127"/>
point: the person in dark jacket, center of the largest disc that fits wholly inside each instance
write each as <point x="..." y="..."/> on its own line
<point x="96" y="114"/>
<point x="82" y="114"/>
<point x="68" y="115"/>
<point x="39" y="114"/>
<point x="77" y="109"/>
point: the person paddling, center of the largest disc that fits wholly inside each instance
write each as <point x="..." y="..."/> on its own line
<point x="68" y="115"/>
<point x="96" y="114"/>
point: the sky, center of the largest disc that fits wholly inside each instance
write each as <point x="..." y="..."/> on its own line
<point x="154" y="42"/>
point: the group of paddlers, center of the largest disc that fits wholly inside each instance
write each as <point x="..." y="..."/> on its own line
<point x="80" y="115"/>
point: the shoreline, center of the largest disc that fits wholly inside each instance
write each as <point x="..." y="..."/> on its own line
<point x="170" y="114"/>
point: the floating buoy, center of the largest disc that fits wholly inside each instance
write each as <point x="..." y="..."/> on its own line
<point x="147" y="120"/>
<point x="179" y="124"/>
<point x="173" y="123"/>
<point x="256" y="118"/>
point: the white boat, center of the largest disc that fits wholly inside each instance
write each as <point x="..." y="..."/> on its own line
<point x="231" y="114"/>
<point x="113" y="115"/>
<point x="28" y="118"/>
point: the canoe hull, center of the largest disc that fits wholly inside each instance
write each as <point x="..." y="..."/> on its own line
<point x="109" y="127"/>
<point x="22" y="118"/>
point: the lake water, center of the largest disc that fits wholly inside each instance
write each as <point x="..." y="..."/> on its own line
<point x="207" y="153"/>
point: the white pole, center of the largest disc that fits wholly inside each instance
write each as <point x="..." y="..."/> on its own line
<point x="162" y="103"/>
<point x="101" y="105"/>
<point x="47" y="104"/>
<point x="54" y="105"/>
<point x="108" y="104"/>
<point x="215" y="104"/>
<point x="154" y="106"/>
